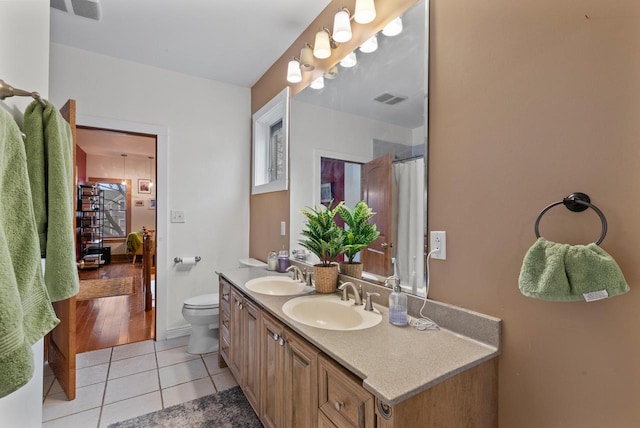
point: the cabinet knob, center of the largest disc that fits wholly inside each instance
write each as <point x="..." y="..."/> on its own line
<point x="338" y="405"/>
<point x="275" y="336"/>
<point x="240" y="306"/>
<point x="281" y="342"/>
<point x="225" y="296"/>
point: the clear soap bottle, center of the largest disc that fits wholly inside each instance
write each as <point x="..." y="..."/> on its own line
<point x="397" y="299"/>
<point x="397" y="306"/>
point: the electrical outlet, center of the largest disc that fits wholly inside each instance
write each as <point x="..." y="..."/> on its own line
<point x="438" y="240"/>
<point x="283" y="228"/>
<point x="177" y="216"/>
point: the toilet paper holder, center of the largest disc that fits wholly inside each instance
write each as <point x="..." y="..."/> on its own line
<point x="178" y="260"/>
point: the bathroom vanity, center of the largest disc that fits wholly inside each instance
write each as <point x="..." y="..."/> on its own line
<point x="295" y="375"/>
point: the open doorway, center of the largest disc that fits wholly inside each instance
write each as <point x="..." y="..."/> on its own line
<point x="121" y="166"/>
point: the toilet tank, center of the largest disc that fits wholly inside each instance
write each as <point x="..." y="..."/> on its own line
<point x="251" y="262"/>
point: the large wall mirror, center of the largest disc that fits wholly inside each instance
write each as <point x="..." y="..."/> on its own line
<point x="367" y="122"/>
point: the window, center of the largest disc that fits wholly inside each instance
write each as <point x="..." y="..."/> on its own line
<point x="117" y="200"/>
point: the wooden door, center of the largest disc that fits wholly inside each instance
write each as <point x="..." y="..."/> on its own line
<point x="301" y="382"/>
<point x="271" y="371"/>
<point x="377" y="181"/>
<point x="251" y="345"/>
<point x="61" y="347"/>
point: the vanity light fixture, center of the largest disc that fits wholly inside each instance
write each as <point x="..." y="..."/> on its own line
<point x="294" y="75"/>
<point x="370" y="45"/>
<point x="393" y="28"/>
<point x="317" y="83"/>
<point x="365" y="11"/>
<point x="124" y="169"/>
<point x="150" y="176"/>
<point x="349" y="60"/>
<point x="323" y="44"/>
<point x="342" y="26"/>
<point x="306" y="58"/>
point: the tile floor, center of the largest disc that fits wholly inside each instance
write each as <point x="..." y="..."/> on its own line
<point x="125" y="381"/>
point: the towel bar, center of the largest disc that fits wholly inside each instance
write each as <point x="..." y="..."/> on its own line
<point x="575" y="202"/>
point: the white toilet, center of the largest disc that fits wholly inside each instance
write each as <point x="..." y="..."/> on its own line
<point x="202" y="313"/>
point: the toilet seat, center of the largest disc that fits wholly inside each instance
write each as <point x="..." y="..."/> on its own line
<point x="205" y="301"/>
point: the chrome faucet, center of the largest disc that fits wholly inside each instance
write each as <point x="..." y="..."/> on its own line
<point x="297" y="273"/>
<point x="369" y="306"/>
<point x="307" y="275"/>
<point x="345" y="292"/>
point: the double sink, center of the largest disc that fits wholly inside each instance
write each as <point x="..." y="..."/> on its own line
<point x="325" y="311"/>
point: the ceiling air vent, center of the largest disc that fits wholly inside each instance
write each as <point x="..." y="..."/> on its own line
<point x="390" y="99"/>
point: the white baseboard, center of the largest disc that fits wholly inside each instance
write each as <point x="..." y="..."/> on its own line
<point x="172" y="333"/>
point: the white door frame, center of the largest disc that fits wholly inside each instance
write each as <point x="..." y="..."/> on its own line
<point x="162" y="203"/>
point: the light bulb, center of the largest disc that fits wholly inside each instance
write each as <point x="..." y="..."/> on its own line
<point x="317" y="83"/>
<point x="341" y="27"/>
<point x="370" y="45"/>
<point x="322" y="46"/>
<point x="365" y="11"/>
<point x="294" y="75"/>
<point x="306" y="59"/>
<point x="393" y="28"/>
<point x="349" y="60"/>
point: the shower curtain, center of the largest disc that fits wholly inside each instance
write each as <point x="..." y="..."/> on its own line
<point x="409" y="220"/>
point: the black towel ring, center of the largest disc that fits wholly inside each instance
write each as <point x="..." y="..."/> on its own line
<point x="576" y="202"/>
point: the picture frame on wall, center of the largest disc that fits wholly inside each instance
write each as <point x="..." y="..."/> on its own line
<point x="144" y="185"/>
<point x="138" y="203"/>
<point x="152" y="204"/>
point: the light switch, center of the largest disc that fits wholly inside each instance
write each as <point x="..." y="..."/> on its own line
<point x="177" y="216"/>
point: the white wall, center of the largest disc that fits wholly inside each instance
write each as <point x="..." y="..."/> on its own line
<point x="208" y="125"/>
<point x="336" y="134"/>
<point x="24" y="54"/>
<point x="136" y="168"/>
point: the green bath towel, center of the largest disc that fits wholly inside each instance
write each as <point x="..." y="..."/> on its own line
<point x="569" y="273"/>
<point x="49" y="146"/>
<point x="26" y="314"/>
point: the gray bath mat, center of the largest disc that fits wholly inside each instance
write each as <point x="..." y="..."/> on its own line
<point x="226" y="409"/>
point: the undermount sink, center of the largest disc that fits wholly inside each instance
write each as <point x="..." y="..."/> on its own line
<point x="330" y="313"/>
<point x="277" y="286"/>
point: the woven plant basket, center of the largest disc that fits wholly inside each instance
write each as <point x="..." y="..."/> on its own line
<point x="351" y="269"/>
<point x="326" y="278"/>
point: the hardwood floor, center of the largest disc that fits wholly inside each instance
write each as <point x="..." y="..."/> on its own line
<point x="110" y="321"/>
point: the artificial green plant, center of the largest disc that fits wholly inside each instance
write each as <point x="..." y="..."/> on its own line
<point x="360" y="232"/>
<point x="322" y="235"/>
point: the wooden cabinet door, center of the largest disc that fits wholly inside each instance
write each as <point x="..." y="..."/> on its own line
<point x="235" y="335"/>
<point x="300" y="382"/>
<point x="251" y="344"/>
<point x="271" y="371"/>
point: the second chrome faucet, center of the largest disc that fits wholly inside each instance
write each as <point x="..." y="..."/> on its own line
<point x="345" y="292"/>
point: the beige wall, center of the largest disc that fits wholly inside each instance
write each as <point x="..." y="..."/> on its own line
<point x="530" y="101"/>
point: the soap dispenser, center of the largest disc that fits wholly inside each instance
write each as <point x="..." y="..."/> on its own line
<point x="397" y="300"/>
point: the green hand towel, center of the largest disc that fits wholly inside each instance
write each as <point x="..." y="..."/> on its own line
<point x="49" y="146"/>
<point x="26" y="314"/>
<point x="566" y="273"/>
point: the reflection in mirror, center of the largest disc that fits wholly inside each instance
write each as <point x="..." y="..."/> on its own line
<point x="363" y="137"/>
<point x="270" y="145"/>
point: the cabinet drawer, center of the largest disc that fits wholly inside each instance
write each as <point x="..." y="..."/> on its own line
<point x="342" y="398"/>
